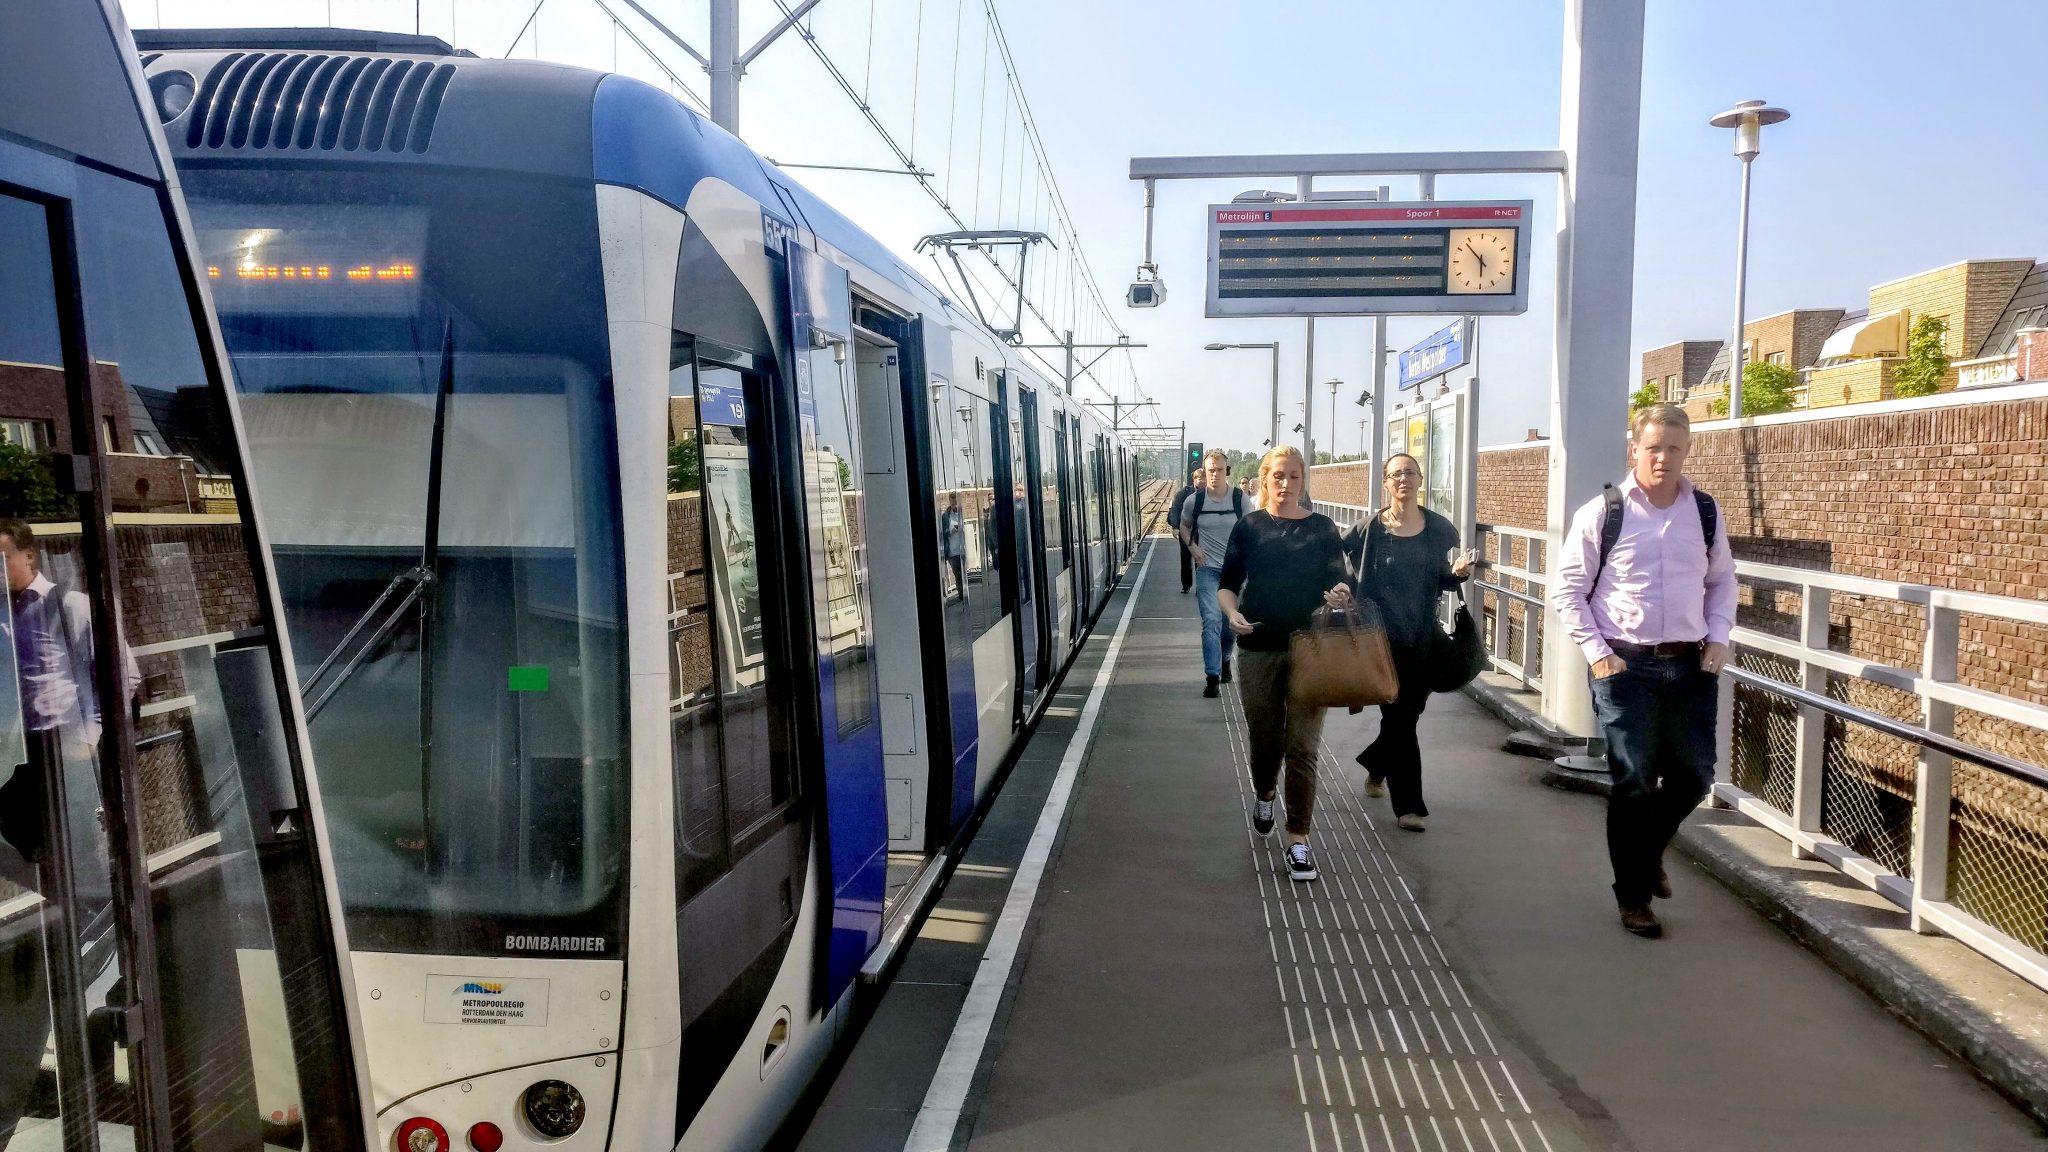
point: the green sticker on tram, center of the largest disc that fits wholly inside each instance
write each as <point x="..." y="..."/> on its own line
<point x="527" y="678"/>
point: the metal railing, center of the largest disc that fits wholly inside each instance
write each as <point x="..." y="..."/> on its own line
<point x="1513" y="621"/>
<point x="1954" y="833"/>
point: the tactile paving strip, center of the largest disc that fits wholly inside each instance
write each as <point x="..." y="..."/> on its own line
<point x="1390" y="1055"/>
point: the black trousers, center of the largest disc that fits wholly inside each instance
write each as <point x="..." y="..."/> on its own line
<point x="1659" y="719"/>
<point x="1187" y="566"/>
<point x="1395" y="755"/>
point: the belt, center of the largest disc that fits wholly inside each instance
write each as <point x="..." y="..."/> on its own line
<point x="1673" y="648"/>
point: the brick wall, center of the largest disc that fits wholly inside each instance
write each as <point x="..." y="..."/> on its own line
<point x="1855" y="382"/>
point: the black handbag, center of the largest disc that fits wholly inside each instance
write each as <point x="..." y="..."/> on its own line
<point x="1457" y="659"/>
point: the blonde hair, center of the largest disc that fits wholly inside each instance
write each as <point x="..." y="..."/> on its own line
<point x="1669" y="415"/>
<point x="1273" y="457"/>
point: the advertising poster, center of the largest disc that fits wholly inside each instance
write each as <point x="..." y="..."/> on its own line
<point x="729" y="506"/>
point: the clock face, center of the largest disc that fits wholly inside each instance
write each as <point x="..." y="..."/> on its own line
<point x="1481" y="262"/>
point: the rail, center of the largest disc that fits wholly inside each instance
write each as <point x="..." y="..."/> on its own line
<point x="1815" y="748"/>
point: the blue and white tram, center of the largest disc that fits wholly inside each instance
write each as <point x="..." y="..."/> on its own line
<point x="670" y="570"/>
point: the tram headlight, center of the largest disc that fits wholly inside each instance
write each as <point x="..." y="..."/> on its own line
<point x="422" y="1134"/>
<point x="554" y="1108"/>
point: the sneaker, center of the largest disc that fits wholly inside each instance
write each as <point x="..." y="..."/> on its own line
<point x="1225" y="678"/>
<point x="1209" y="689"/>
<point x="1641" y="921"/>
<point x="1262" y="817"/>
<point x="1412" y="822"/>
<point x="1301" y="863"/>
<point x="1374" y="787"/>
<point x="1662" y="890"/>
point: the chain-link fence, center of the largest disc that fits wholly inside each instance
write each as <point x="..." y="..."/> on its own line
<point x="1998" y="853"/>
<point x="1764" y="739"/>
<point x="1866" y="799"/>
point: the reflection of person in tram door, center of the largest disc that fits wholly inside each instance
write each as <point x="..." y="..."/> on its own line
<point x="53" y="645"/>
<point x="953" y="541"/>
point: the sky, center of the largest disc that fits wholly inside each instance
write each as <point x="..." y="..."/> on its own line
<point x="1913" y="144"/>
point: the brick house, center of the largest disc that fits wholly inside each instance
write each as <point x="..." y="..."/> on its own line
<point x="1674" y="370"/>
<point x="1793" y="339"/>
<point x="2017" y="347"/>
<point x="156" y="440"/>
<point x="1860" y="362"/>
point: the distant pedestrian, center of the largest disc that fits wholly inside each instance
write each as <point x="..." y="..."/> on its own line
<point x="1283" y="562"/>
<point x="1187" y="569"/>
<point x="1404" y="558"/>
<point x="1206" y="522"/>
<point x="1249" y="486"/>
<point x="1646" y="589"/>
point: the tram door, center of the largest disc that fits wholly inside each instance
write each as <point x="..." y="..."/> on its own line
<point x="170" y="968"/>
<point x="848" y="709"/>
<point x="1049" y="552"/>
<point x="1016" y="543"/>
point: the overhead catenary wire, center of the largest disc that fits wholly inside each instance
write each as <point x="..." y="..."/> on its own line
<point x="867" y="111"/>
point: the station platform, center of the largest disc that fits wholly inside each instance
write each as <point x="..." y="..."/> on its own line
<point x="1118" y="963"/>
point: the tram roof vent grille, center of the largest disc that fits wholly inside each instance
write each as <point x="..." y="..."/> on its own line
<point x="318" y="102"/>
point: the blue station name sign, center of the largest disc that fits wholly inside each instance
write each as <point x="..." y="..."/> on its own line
<point x="1444" y="350"/>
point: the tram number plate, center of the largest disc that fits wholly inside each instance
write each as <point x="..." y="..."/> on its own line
<point x="487" y="1001"/>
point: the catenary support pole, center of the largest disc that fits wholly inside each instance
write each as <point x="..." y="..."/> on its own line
<point x="1599" y="129"/>
<point x="724" y="67"/>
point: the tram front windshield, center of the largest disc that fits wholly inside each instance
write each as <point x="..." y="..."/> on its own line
<point x="421" y="359"/>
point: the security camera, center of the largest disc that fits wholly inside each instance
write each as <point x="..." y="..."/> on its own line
<point x="1364" y="398"/>
<point x="1145" y="293"/>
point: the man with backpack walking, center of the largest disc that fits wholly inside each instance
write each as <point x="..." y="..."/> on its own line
<point x="1206" y="520"/>
<point x="1646" y="589"/>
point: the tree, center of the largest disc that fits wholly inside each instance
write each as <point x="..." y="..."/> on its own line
<point x="26" y="486"/>
<point x="1642" y="398"/>
<point x="1766" y="388"/>
<point x="1926" y="361"/>
<point x="685" y="473"/>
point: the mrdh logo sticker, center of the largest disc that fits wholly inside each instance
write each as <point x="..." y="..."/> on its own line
<point x="486" y="1002"/>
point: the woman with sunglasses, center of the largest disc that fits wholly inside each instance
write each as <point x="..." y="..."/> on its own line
<point x="1406" y="557"/>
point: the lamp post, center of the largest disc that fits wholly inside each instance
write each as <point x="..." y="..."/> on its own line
<point x="1274" y="345"/>
<point x="1748" y="119"/>
<point x="1333" y="418"/>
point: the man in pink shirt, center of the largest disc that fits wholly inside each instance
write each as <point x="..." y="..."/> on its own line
<point x="1646" y="589"/>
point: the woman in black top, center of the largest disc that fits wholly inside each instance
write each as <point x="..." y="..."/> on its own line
<point x="1403" y="559"/>
<point x="1282" y="563"/>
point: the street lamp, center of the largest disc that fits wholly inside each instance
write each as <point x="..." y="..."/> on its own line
<point x="1334" y="382"/>
<point x="1275" y="347"/>
<point x="1748" y="119"/>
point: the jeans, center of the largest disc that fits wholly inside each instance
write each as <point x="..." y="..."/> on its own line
<point x="1218" y="641"/>
<point x="1280" y="732"/>
<point x="1658" y="719"/>
<point x="1395" y="755"/>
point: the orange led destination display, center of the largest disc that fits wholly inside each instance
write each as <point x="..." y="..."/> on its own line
<point x="316" y="272"/>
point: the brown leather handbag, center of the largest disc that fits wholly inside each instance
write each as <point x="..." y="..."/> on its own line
<point x="1342" y="660"/>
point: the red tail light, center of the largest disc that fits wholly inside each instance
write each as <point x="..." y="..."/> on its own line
<point x="485" y="1136"/>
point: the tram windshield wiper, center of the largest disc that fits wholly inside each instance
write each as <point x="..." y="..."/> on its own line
<point x="407" y="590"/>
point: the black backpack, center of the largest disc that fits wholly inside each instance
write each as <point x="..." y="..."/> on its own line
<point x="1194" y="518"/>
<point x="1610" y="524"/>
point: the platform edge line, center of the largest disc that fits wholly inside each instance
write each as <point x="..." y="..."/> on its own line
<point x="938" y="1117"/>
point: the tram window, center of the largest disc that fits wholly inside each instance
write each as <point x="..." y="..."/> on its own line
<point x="1051" y="525"/>
<point x="702" y="851"/>
<point x="732" y="768"/>
<point x="978" y="511"/>
<point x="483" y="796"/>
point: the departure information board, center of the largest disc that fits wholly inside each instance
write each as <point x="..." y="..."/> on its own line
<point x="1367" y="258"/>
